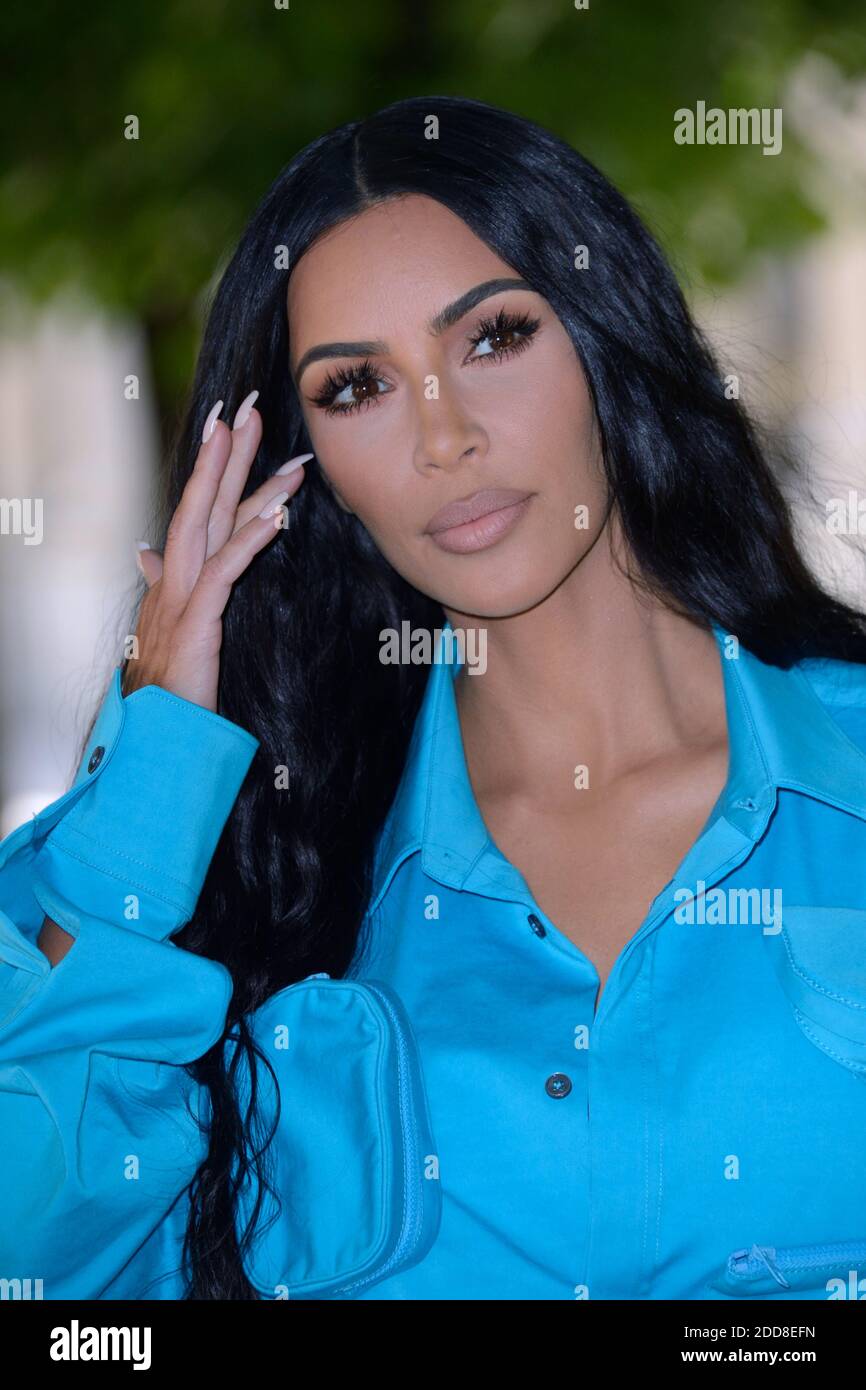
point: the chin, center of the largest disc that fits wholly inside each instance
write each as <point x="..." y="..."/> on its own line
<point x="503" y="594"/>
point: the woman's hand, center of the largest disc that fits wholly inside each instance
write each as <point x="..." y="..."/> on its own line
<point x="211" y="539"/>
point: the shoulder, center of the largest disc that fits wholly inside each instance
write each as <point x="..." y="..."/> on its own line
<point x="841" y="688"/>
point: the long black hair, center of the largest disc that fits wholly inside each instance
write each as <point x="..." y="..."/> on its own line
<point x="706" y="524"/>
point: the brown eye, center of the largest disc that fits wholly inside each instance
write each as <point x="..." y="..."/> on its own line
<point x="351" y="388"/>
<point x="362" y="390"/>
<point x="502" y="337"/>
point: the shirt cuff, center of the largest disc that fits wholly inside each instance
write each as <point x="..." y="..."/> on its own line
<point x="149" y="802"/>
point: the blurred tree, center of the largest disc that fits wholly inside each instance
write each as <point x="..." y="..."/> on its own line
<point x="226" y="91"/>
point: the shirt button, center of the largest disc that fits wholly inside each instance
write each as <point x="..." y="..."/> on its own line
<point x="95" y="758"/>
<point x="538" y="927"/>
<point x="557" y="1085"/>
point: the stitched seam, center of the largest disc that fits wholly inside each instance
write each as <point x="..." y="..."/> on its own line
<point x="660" y="1112"/>
<point x="732" y="860"/>
<point x="429" y="768"/>
<point x="855" y="808"/>
<point x="645" y="1071"/>
<point x="812" y="983"/>
<point x="746" y="711"/>
<point x="198" y="712"/>
<point x="116" y="854"/>
<point x="824" y="1264"/>
<point x="179" y="906"/>
<point x="859" y="1067"/>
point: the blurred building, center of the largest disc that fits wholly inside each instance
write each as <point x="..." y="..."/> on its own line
<point x="794" y="329"/>
<point x="72" y="441"/>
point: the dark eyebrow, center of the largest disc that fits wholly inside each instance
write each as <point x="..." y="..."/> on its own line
<point x="445" y="318"/>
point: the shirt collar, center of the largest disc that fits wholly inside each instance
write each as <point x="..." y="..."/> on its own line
<point x="780" y="735"/>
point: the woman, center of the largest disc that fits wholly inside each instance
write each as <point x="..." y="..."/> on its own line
<point x="620" y="1065"/>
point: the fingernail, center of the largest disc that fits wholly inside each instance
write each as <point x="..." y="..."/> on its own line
<point x="210" y="422"/>
<point x="139" y="546"/>
<point x="244" y="409"/>
<point x="272" y="506"/>
<point x="293" y="463"/>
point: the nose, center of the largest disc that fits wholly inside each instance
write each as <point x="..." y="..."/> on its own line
<point x="447" y="436"/>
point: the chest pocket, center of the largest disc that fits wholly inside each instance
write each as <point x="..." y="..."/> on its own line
<point x="353" y="1160"/>
<point x="820" y="961"/>
<point x="830" y="1271"/>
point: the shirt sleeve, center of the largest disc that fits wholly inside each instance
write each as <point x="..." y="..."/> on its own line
<point x="99" y="1125"/>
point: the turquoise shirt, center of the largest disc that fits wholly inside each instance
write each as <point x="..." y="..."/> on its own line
<point x="458" y="1120"/>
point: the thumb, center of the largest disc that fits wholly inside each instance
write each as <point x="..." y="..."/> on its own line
<point x="149" y="562"/>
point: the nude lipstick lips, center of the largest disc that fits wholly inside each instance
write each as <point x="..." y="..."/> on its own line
<point x="478" y="521"/>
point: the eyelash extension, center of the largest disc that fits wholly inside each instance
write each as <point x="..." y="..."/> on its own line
<point x="504" y="322"/>
<point x="337" y="381"/>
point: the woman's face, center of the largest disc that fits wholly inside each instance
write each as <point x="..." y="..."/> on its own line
<point x="409" y="413"/>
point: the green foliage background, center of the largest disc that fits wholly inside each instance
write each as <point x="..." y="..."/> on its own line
<point x="228" y="90"/>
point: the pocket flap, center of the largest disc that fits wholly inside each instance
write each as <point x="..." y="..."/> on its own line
<point x="820" y="960"/>
<point x="351" y="1154"/>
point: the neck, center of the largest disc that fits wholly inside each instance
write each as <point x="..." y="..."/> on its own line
<point x="597" y="674"/>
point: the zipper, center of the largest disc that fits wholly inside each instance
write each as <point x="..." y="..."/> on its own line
<point x="749" y="1264"/>
<point x="412" y="1196"/>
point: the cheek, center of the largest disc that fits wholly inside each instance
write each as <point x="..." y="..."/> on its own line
<point x="567" y="438"/>
<point x="358" y="457"/>
<point x="538" y="400"/>
<point x="561" y="403"/>
<point x="360" y="461"/>
<point x="365" y="461"/>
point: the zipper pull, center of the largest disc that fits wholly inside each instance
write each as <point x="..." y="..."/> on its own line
<point x="765" y="1256"/>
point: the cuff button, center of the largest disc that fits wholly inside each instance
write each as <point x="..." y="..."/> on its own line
<point x="96" y="758"/>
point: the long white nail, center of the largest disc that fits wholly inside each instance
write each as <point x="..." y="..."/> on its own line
<point x="244" y="409"/>
<point x="293" y="463"/>
<point x="139" y="547"/>
<point x="210" y="422"/>
<point x="272" y="506"/>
